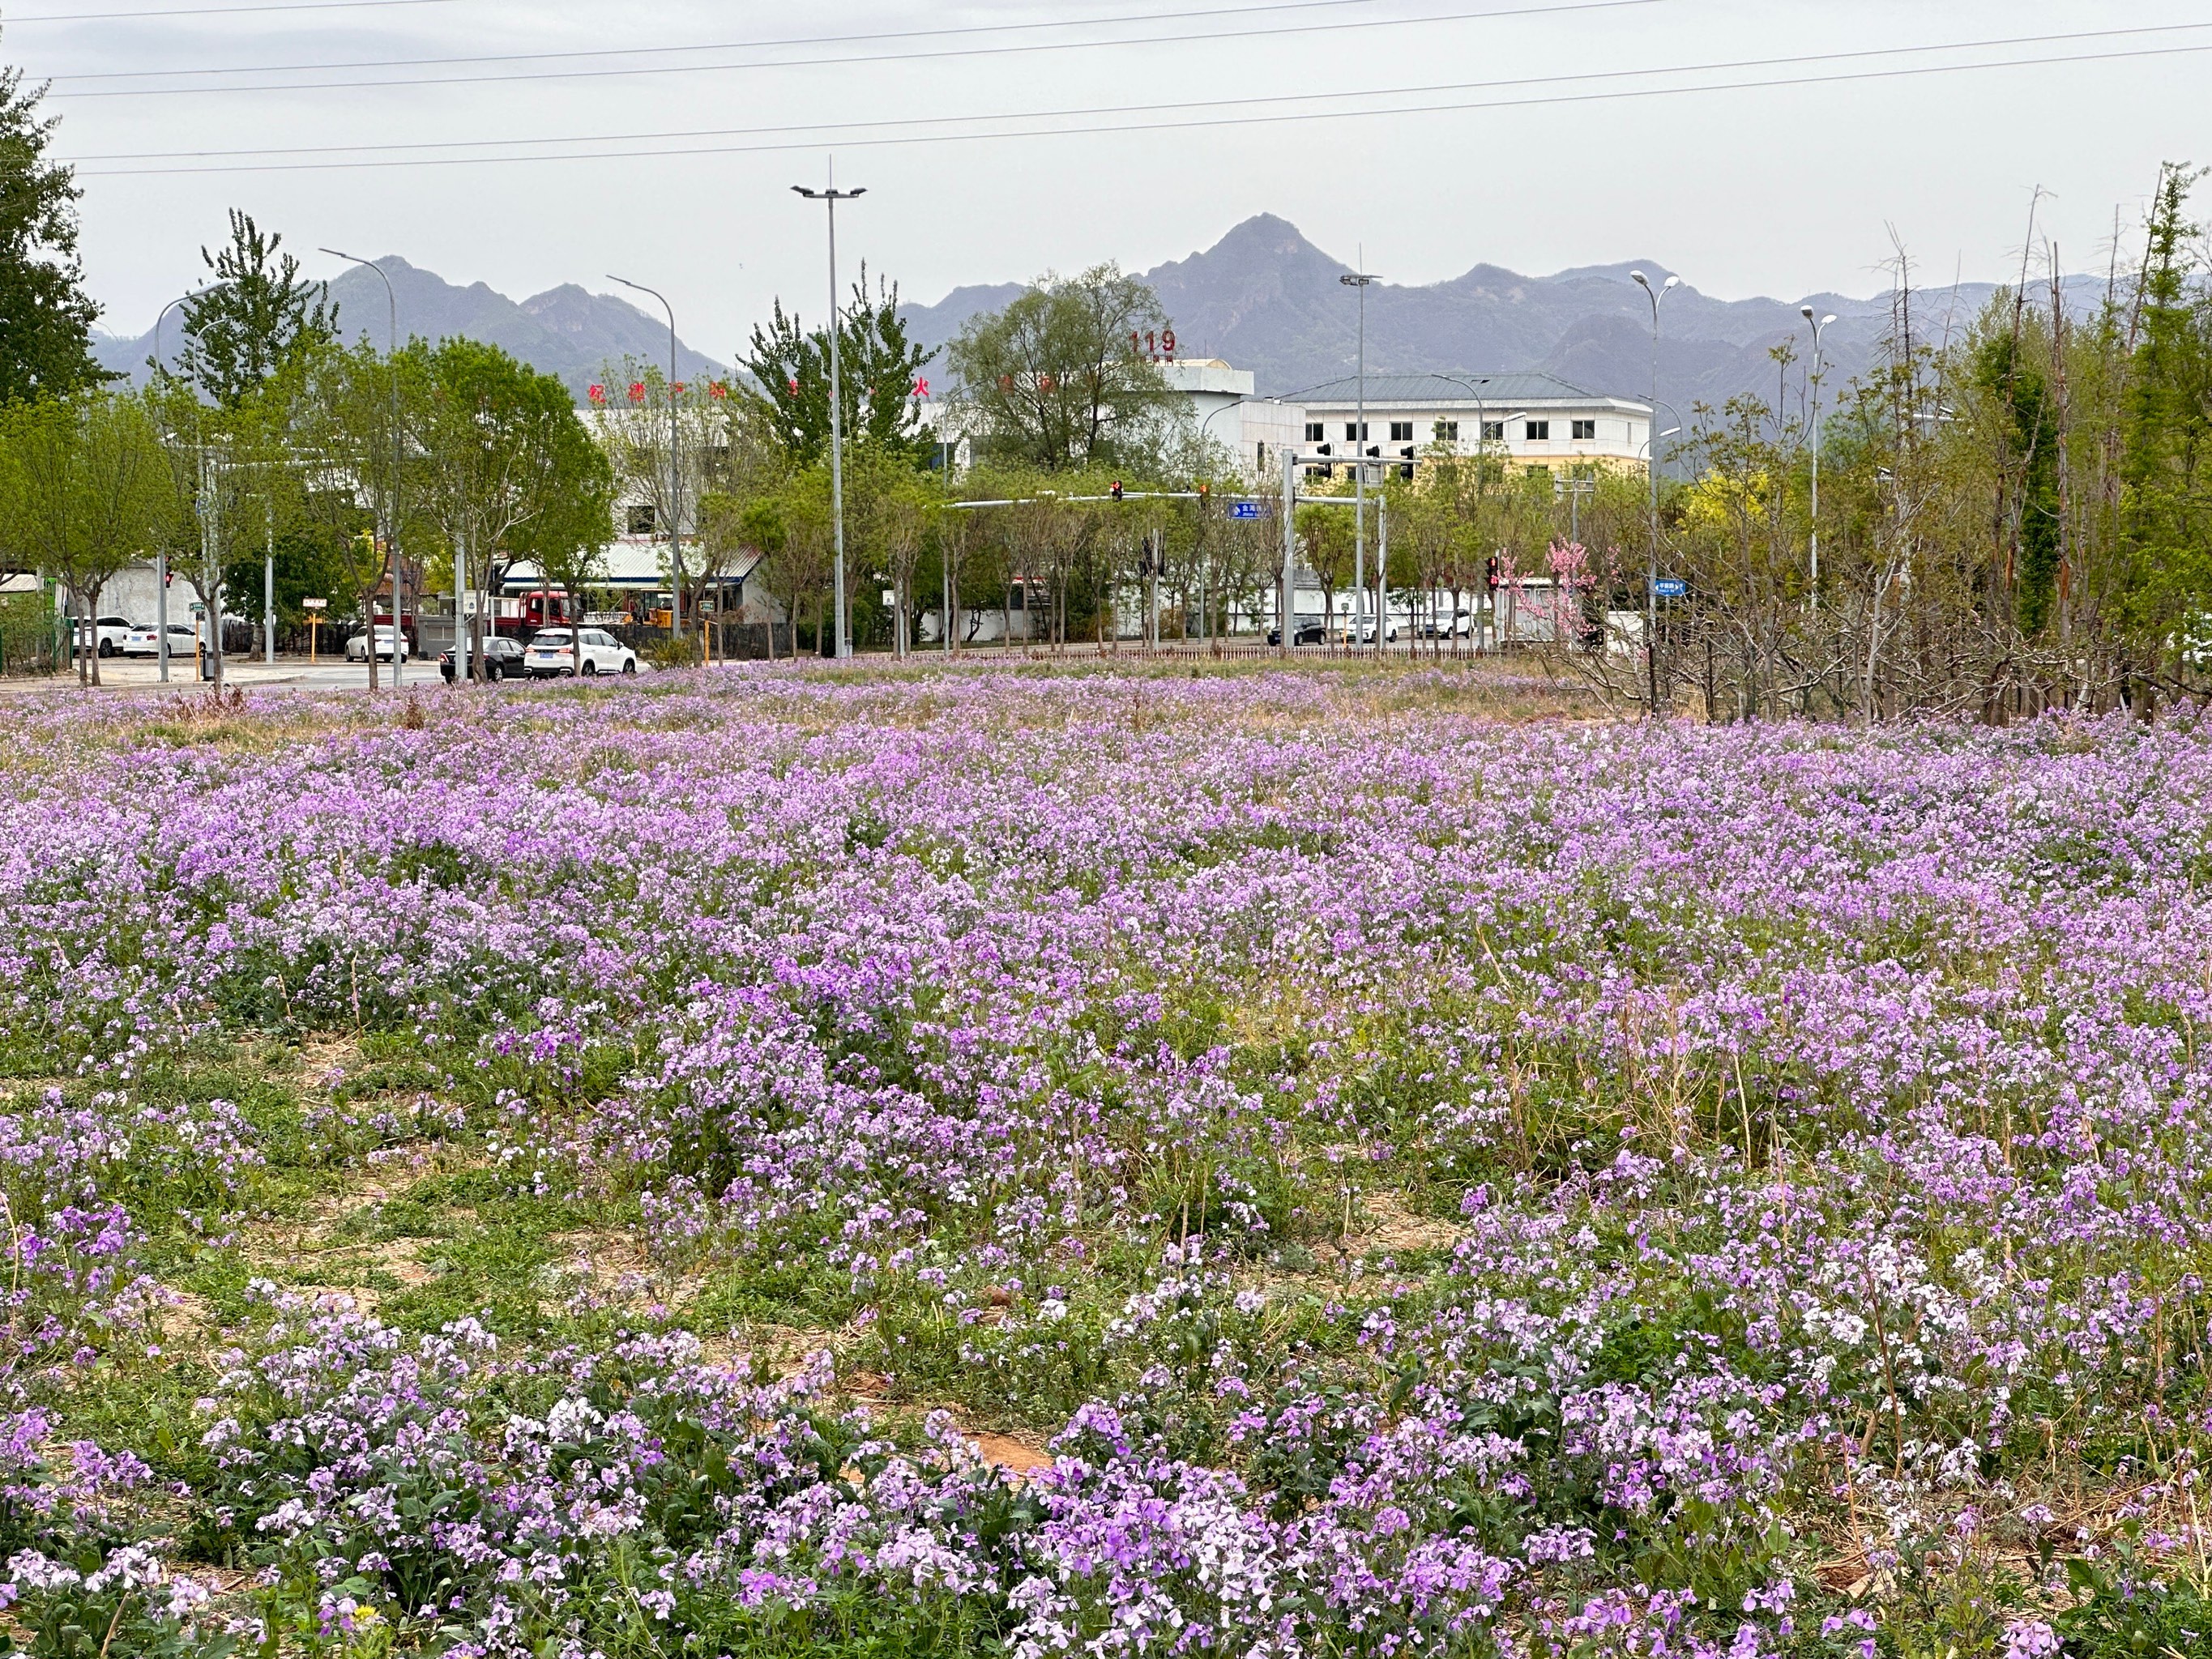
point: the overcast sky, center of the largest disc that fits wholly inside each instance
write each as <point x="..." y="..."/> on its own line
<point x="1783" y="190"/>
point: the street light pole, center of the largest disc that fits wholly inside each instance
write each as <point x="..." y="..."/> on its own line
<point x="830" y="197"/>
<point x="392" y="494"/>
<point x="1361" y="279"/>
<point x="1820" y="327"/>
<point x="675" y="485"/>
<point x="162" y="551"/>
<point x="1652" y="471"/>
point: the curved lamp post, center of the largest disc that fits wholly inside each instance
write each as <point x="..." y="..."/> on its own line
<point x="675" y="478"/>
<point x="392" y="494"/>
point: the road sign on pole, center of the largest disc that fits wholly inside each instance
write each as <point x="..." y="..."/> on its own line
<point x="1244" y="510"/>
<point x="1669" y="587"/>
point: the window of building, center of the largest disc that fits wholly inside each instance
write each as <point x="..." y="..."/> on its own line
<point x="641" y="519"/>
<point x="1355" y="432"/>
<point x="1447" y="432"/>
<point x="1493" y="432"/>
<point x="1401" y="432"/>
<point x="1315" y="432"/>
<point x="1586" y="430"/>
<point x="1263" y="458"/>
<point x="1539" y="432"/>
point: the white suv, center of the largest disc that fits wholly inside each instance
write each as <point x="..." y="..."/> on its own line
<point x="106" y="634"/>
<point x="553" y="653"/>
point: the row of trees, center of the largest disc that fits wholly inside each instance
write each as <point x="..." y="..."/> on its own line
<point x="271" y="437"/>
<point x="2013" y="515"/>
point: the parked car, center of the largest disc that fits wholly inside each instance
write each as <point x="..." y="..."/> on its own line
<point x="501" y="657"/>
<point x="1362" y="632"/>
<point x="104" y="634"/>
<point x="357" y="646"/>
<point x="147" y="642"/>
<point x="1307" y="633"/>
<point x="1457" y="626"/>
<point x="553" y="651"/>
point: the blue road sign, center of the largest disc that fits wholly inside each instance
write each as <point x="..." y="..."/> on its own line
<point x="1244" y="509"/>
<point x="1670" y="587"/>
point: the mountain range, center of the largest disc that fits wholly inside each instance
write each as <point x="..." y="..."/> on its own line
<point x="1265" y="299"/>
<point x="565" y="331"/>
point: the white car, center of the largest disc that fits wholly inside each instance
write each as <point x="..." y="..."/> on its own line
<point x="147" y="642"/>
<point x="552" y="652"/>
<point x="106" y="634"/>
<point x="357" y="646"/>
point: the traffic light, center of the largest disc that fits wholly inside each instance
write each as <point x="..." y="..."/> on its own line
<point x="1117" y="489"/>
<point x="1407" y="470"/>
<point x="1490" y="573"/>
<point x="1203" y="490"/>
<point x="1325" y="449"/>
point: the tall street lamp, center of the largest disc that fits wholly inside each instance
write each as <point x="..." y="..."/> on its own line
<point x="162" y="552"/>
<point x="1362" y="280"/>
<point x="675" y="479"/>
<point x="1820" y="327"/>
<point x="1652" y="471"/>
<point x="830" y="197"/>
<point x="391" y="494"/>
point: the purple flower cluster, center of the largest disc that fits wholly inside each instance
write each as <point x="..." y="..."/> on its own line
<point x="1440" y="1184"/>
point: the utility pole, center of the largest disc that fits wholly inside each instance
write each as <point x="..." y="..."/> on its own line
<point x="1361" y="279"/>
<point x="269" y="583"/>
<point x="211" y="600"/>
<point x="1651" y="584"/>
<point x="1820" y="327"/>
<point x="1381" y="575"/>
<point x="830" y="197"/>
<point x="1285" y="610"/>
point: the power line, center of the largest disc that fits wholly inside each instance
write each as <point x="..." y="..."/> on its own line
<point x="214" y="11"/>
<point x="1185" y="37"/>
<point x="1264" y="109"/>
<point x="603" y="53"/>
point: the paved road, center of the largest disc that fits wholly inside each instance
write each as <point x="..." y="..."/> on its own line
<point x="288" y="673"/>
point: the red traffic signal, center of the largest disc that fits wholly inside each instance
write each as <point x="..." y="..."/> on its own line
<point x="1117" y="489"/>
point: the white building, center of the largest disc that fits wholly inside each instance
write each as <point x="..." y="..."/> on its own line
<point x="1533" y="420"/>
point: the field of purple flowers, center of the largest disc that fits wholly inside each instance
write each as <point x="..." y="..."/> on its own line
<point x="1099" y="1163"/>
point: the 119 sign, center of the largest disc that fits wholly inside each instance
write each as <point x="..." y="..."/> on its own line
<point x="1156" y="344"/>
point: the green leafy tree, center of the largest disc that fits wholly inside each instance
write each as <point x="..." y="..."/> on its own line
<point x="1059" y="380"/>
<point x="259" y="313"/>
<point x="2166" y="420"/>
<point x="84" y="489"/>
<point x="46" y="316"/>
<point x="494" y="446"/>
<point x="337" y="411"/>
<point x="2028" y="456"/>
<point x="568" y="535"/>
<point x="880" y="377"/>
